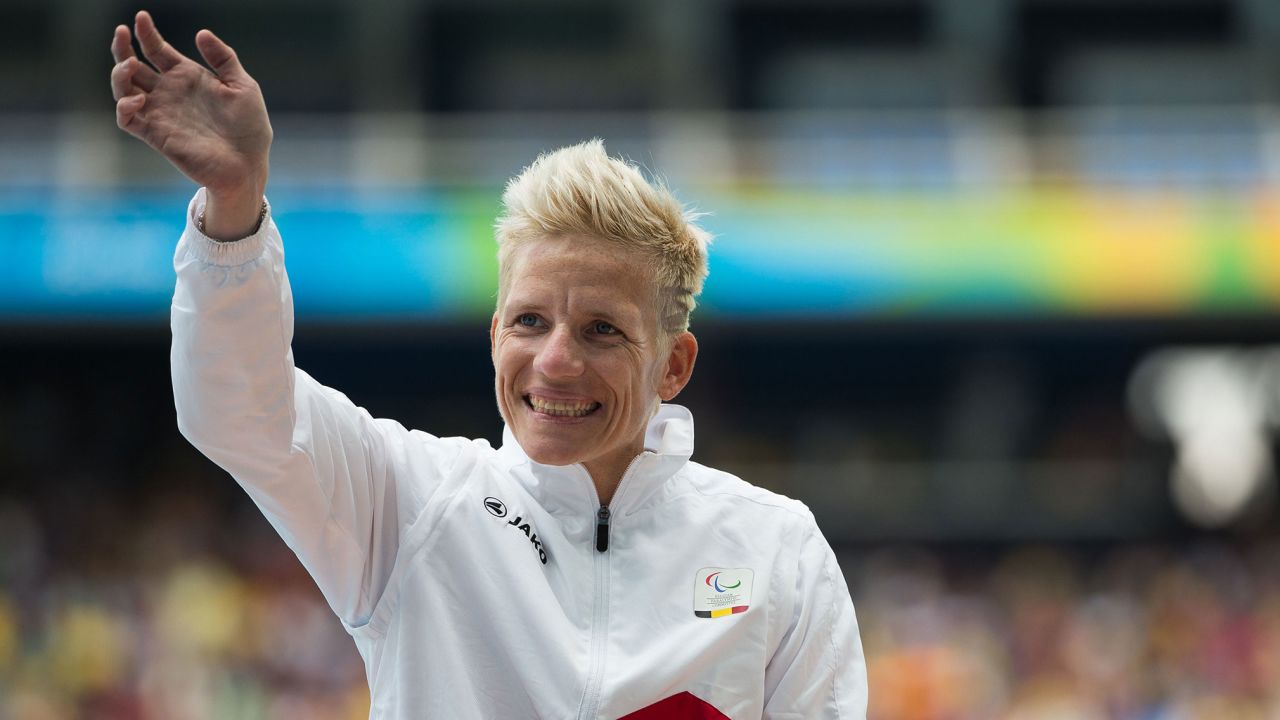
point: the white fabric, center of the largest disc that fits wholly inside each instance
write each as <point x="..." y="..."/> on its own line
<point x="450" y="606"/>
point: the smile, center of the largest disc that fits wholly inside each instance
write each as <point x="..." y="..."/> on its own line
<point x="561" y="408"/>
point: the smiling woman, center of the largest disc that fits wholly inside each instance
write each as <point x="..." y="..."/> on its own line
<point x="580" y="361"/>
<point x="629" y="603"/>
<point x="598" y="274"/>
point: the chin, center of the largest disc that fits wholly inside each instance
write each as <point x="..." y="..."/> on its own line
<point x="555" y="458"/>
<point x="549" y="452"/>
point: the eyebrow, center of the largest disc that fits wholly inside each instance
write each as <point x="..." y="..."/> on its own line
<point x="519" y="305"/>
<point x="613" y="319"/>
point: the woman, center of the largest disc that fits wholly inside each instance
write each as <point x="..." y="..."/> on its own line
<point x="587" y="567"/>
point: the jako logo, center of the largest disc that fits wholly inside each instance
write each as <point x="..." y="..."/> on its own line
<point x="713" y="581"/>
<point x="498" y="509"/>
<point x="495" y="507"/>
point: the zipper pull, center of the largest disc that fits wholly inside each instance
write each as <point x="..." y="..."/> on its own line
<point x="602" y="528"/>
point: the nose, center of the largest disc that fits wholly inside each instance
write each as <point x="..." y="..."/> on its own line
<point x="560" y="355"/>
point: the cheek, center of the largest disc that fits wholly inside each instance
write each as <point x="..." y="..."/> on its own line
<point x="507" y="361"/>
<point x="635" y="378"/>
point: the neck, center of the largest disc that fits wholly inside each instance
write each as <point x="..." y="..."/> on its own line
<point x="607" y="476"/>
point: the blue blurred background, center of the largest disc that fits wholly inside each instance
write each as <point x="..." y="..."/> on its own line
<point x="995" y="290"/>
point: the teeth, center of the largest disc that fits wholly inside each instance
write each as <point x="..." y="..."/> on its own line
<point x="556" y="407"/>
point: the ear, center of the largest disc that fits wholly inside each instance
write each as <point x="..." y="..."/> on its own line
<point x="493" y="338"/>
<point x="679" y="367"/>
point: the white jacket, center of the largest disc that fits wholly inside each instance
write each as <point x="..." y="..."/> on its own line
<point x="480" y="584"/>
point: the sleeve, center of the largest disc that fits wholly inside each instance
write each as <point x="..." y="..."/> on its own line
<point x="320" y="468"/>
<point x="818" y="670"/>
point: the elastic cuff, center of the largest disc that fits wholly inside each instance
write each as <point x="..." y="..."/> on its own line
<point x="225" y="254"/>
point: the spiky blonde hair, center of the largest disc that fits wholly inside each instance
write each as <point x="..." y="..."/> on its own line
<point x="579" y="190"/>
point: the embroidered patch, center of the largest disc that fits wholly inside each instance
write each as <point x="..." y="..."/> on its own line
<point x="722" y="591"/>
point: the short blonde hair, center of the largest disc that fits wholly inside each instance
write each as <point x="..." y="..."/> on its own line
<point x="580" y="190"/>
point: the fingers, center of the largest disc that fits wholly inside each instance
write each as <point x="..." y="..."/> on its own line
<point x="220" y="56"/>
<point x="127" y="83"/>
<point x="154" y="48"/>
<point x="121" y="44"/>
<point x="130" y="77"/>
<point x="127" y="113"/>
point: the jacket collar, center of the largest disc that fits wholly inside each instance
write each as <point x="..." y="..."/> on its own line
<point x="668" y="445"/>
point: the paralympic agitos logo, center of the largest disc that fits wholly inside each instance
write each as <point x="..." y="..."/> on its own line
<point x="498" y="509"/>
<point x="713" y="581"/>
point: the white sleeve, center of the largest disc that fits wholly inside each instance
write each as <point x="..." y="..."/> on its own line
<point x="320" y="468"/>
<point x="818" y="670"/>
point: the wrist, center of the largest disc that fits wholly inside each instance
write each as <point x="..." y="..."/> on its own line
<point x="232" y="215"/>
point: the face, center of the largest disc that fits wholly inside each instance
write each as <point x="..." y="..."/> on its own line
<point x="579" y="362"/>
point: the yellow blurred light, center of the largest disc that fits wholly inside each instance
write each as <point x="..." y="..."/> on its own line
<point x="8" y="638"/>
<point x="202" y="609"/>
<point x="89" y="649"/>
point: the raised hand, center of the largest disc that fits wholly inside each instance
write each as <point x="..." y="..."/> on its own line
<point x="211" y="124"/>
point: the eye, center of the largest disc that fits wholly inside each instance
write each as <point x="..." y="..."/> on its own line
<point x="527" y="320"/>
<point x="603" y="328"/>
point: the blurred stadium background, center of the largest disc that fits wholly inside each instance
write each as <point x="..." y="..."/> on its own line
<point x="996" y="291"/>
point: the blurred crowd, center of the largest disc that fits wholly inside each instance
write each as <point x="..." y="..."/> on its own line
<point x="182" y="613"/>
<point x="1129" y="632"/>
<point x="186" y="606"/>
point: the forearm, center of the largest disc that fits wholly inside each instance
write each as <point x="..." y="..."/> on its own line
<point x="232" y="325"/>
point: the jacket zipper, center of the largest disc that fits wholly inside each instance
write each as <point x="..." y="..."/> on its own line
<point x="602" y="529"/>
<point x="600" y="610"/>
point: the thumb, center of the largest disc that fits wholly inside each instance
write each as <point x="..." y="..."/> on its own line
<point x="219" y="56"/>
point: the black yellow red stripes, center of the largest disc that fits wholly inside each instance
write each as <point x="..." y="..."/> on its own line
<point x="720" y="612"/>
